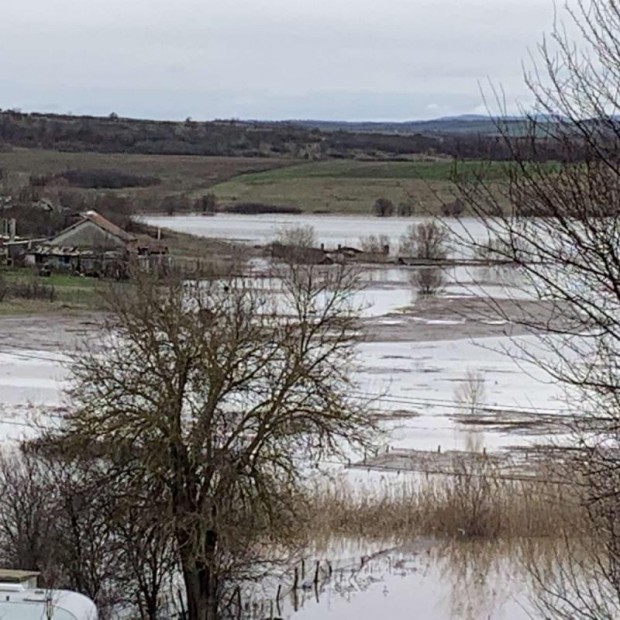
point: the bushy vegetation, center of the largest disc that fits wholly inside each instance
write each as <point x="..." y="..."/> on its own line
<point x="474" y="500"/>
<point x="256" y="208"/>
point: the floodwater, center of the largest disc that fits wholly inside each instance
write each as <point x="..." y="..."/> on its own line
<point x="31" y="385"/>
<point x="459" y="581"/>
<point x="331" y="230"/>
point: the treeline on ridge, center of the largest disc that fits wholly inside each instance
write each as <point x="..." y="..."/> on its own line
<point x="237" y="138"/>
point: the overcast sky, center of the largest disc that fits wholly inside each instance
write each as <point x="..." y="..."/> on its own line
<point x="265" y="59"/>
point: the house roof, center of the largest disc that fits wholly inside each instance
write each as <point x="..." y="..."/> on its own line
<point x="16" y="576"/>
<point x="103" y="223"/>
<point x="113" y="229"/>
<point x="154" y="246"/>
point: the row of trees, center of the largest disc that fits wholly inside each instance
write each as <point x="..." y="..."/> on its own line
<point x="384" y="207"/>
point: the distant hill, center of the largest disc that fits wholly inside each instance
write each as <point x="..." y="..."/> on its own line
<point x="452" y="125"/>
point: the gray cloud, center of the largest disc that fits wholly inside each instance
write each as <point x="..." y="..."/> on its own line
<point x="345" y="59"/>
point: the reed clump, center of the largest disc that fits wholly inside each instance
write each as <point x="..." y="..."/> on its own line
<point x="477" y="501"/>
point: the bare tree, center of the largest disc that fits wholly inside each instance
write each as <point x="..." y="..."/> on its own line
<point x="569" y="259"/>
<point x="26" y="520"/>
<point x="375" y="244"/>
<point x="218" y="395"/>
<point x="428" y="241"/>
<point x="297" y="236"/>
<point x="72" y="520"/>
<point x="470" y="394"/>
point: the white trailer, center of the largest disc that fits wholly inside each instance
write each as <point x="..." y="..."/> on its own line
<point x="20" y="600"/>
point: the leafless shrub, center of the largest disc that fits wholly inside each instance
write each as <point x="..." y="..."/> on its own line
<point x="471" y="394"/>
<point x="428" y="281"/>
<point x="470" y="397"/>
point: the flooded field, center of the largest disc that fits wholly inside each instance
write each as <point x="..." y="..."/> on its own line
<point x="415" y="354"/>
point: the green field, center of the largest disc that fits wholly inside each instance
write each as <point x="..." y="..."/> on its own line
<point x="347" y="186"/>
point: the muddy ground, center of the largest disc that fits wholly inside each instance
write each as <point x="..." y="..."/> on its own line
<point x="49" y="331"/>
<point x="454" y="318"/>
<point x="441" y="318"/>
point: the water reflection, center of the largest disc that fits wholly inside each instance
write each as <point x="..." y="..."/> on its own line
<point x="459" y="581"/>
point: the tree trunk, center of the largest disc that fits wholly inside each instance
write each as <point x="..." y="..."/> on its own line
<point x="199" y="578"/>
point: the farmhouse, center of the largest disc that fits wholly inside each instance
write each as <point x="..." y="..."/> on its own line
<point x="96" y="246"/>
